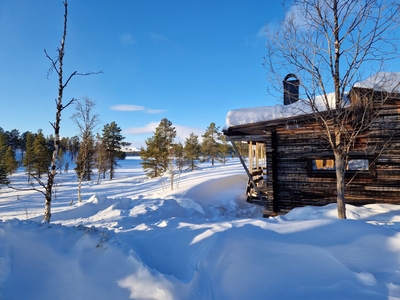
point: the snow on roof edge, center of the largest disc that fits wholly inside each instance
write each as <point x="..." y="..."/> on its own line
<point x="383" y="81"/>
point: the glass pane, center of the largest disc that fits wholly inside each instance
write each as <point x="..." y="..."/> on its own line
<point x="323" y="164"/>
<point x="358" y="164"/>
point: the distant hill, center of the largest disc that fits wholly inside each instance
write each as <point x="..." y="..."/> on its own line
<point x="130" y="151"/>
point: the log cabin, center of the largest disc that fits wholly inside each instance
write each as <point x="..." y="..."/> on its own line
<point x="290" y="163"/>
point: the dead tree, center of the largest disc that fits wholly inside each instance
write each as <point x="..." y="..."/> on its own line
<point x="57" y="66"/>
<point x="326" y="43"/>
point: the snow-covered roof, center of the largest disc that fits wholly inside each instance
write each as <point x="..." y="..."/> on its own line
<point x="382" y="82"/>
<point x="266" y="113"/>
<point x="388" y="82"/>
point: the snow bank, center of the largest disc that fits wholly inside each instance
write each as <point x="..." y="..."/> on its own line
<point x="199" y="241"/>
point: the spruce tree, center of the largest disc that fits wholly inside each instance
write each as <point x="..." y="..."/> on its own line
<point x="112" y="140"/>
<point x="156" y="156"/>
<point x="192" y="150"/>
<point x="210" y="145"/>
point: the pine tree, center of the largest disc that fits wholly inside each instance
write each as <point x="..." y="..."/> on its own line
<point x="224" y="149"/>
<point x="13" y="139"/>
<point x="29" y="157"/>
<point x="243" y="148"/>
<point x="3" y="174"/>
<point x="3" y="170"/>
<point x="73" y="146"/>
<point x="100" y="158"/>
<point x="60" y="159"/>
<point x="42" y="155"/>
<point x="179" y="154"/>
<point x="3" y="144"/>
<point x="210" y="145"/>
<point x="23" y="144"/>
<point x="192" y="150"/>
<point x="156" y="156"/>
<point x="112" y="140"/>
<point x="9" y="160"/>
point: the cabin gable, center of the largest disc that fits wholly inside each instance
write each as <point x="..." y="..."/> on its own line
<point x="297" y="170"/>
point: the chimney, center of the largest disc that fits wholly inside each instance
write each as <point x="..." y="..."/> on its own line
<point x="290" y="89"/>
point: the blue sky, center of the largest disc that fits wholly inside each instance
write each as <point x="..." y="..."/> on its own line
<point x="188" y="61"/>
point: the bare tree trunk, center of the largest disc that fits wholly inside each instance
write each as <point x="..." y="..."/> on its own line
<point x="57" y="65"/>
<point x="340" y="185"/>
<point x="56" y="125"/>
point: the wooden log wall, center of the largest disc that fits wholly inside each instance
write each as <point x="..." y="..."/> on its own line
<point x="288" y="152"/>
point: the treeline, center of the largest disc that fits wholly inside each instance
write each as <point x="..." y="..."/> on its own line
<point x="100" y="151"/>
<point x="163" y="154"/>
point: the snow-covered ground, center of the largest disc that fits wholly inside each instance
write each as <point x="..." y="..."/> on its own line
<point x="134" y="238"/>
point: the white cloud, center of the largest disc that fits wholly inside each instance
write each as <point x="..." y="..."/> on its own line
<point x="262" y="34"/>
<point x="159" y="38"/>
<point x="127" y="107"/>
<point x="131" y="107"/>
<point x="182" y="132"/>
<point x="155" y="111"/>
<point x="148" y="128"/>
<point x="293" y="15"/>
<point x="296" y="15"/>
<point x="127" y="39"/>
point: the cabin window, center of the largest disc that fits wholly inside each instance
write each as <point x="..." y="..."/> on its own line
<point x="323" y="164"/>
<point x="325" y="167"/>
<point x="358" y="165"/>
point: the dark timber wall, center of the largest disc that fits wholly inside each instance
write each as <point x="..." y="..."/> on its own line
<point x="291" y="183"/>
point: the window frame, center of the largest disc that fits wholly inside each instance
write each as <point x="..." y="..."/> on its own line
<point x="370" y="173"/>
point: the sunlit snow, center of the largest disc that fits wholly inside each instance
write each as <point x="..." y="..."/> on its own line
<point x="134" y="238"/>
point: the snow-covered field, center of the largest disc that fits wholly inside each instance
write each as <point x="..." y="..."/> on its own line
<point x="134" y="238"/>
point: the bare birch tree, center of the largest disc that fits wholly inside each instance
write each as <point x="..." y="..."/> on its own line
<point x="87" y="122"/>
<point x="57" y="66"/>
<point x="329" y="44"/>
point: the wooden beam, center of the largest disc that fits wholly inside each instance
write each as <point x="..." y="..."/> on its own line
<point x="274" y="146"/>
<point x="251" y="163"/>
<point x="256" y="156"/>
<point x="259" y="138"/>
